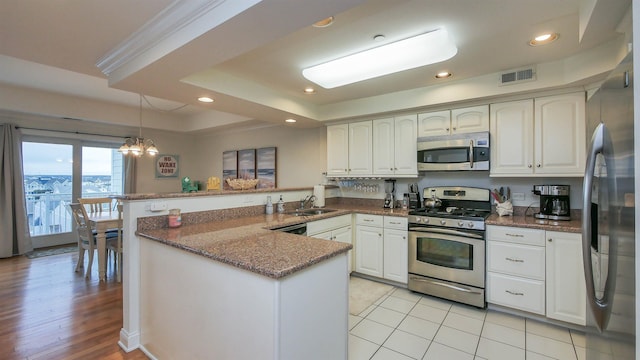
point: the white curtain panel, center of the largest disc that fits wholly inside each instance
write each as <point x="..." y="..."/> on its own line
<point x="14" y="230"/>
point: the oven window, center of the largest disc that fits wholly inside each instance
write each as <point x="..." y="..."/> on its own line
<point x="445" y="156"/>
<point x="447" y="253"/>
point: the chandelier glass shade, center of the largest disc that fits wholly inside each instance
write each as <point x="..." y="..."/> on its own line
<point x="138" y="146"/>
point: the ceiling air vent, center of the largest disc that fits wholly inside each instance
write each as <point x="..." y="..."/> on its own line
<point x="517" y="76"/>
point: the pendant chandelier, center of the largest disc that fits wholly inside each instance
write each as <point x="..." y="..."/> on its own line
<point x="138" y="146"/>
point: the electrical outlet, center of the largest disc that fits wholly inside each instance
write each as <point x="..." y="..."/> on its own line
<point x="518" y="196"/>
<point x="158" y="206"/>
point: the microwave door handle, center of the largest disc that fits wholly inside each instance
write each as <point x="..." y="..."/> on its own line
<point x="597" y="306"/>
<point x="471" y="154"/>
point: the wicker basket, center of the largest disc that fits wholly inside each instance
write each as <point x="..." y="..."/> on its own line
<point x="242" y="184"/>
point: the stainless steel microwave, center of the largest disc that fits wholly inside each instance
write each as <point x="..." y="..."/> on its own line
<point x="454" y="152"/>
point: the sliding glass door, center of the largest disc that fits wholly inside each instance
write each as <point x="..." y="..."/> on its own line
<point x="58" y="172"/>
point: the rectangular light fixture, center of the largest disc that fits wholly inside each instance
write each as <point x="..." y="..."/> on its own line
<point x="429" y="48"/>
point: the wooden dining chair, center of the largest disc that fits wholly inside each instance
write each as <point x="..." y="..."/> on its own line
<point x="115" y="246"/>
<point x="96" y="205"/>
<point x="86" y="239"/>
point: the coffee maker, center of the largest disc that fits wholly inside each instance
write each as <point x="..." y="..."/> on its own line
<point x="389" y="194"/>
<point x="554" y="202"/>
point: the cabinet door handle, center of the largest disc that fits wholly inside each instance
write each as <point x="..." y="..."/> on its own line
<point x="514" y="235"/>
<point x="514" y="260"/>
<point x="550" y="239"/>
<point x="367" y="220"/>
<point x="379" y="234"/>
<point x="530" y="166"/>
<point x="514" y="293"/>
<point x="538" y="165"/>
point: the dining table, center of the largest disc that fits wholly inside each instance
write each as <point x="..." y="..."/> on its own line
<point x="101" y="222"/>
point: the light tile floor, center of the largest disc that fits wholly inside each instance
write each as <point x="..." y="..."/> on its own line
<point x="403" y="325"/>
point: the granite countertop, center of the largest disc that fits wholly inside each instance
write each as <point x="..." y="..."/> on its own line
<point x="573" y="226"/>
<point x="248" y="243"/>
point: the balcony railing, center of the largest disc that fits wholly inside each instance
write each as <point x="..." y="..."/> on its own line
<point x="49" y="214"/>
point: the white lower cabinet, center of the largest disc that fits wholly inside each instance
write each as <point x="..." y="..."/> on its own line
<point x="336" y="228"/>
<point x="566" y="295"/>
<point x="515" y="268"/>
<point x="536" y="271"/>
<point x="382" y="247"/>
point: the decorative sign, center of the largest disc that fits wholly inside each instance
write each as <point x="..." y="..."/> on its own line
<point x="167" y="166"/>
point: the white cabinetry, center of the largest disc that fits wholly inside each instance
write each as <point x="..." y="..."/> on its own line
<point x="336" y="228"/>
<point x="349" y="149"/>
<point x="396" y="249"/>
<point x="382" y="247"/>
<point x="543" y="136"/>
<point x="536" y="271"/>
<point x="516" y="268"/>
<point x="566" y="295"/>
<point x="395" y="146"/>
<point x="456" y="121"/>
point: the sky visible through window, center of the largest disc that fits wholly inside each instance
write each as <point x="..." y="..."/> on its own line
<point x="57" y="159"/>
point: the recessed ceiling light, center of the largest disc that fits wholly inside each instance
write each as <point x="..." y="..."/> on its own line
<point x="443" y="74"/>
<point x="428" y="48"/>
<point x="379" y="37"/>
<point x="309" y="90"/>
<point x="290" y="120"/>
<point x="543" y="39"/>
<point x="205" y="99"/>
<point x="324" y="22"/>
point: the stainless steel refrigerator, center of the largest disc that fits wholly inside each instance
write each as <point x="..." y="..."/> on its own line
<point x="608" y="228"/>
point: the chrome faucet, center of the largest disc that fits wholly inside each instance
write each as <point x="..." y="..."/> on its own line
<point x="309" y="199"/>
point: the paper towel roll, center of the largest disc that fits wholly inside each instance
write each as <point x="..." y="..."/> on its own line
<point x="318" y="192"/>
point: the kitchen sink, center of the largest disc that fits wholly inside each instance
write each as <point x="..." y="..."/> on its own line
<point x="318" y="211"/>
<point x="309" y="212"/>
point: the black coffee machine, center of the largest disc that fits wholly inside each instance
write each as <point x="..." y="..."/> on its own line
<point x="554" y="202"/>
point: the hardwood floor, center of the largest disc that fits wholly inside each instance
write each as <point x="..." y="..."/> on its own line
<point x="48" y="311"/>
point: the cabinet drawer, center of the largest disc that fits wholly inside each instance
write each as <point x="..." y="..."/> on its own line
<point x="369" y="220"/>
<point x="395" y="222"/>
<point x="517" y="293"/>
<point x="516" y="259"/>
<point x="516" y="235"/>
<point x="318" y="226"/>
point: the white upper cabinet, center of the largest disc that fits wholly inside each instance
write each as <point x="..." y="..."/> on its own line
<point x="395" y="146"/>
<point x="471" y="119"/>
<point x="349" y="149"/>
<point x="560" y="128"/>
<point x="543" y="136"/>
<point x="456" y="121"/>
<point x="338" y="150"/>
<point x="360" y="148"/>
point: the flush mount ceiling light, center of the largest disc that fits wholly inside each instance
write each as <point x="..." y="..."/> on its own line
<point x="543" y="39"/>
<point x="421" y="50"/>
<point x="291" y="121"/>
<point x="205" y="99"/>
<point x="138" y="146"/>
<point x="443" y="74"/>
<point x="309" y="90"/>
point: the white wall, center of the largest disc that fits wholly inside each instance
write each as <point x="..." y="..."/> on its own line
<point x="301" y="153"/>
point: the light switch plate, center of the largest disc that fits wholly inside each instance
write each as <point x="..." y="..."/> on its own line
<point x="158" y="206"/>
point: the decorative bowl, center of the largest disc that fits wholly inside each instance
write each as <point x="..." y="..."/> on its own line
<point x="242" y="184"/>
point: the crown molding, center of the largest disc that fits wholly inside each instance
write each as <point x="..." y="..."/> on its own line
<point x="176" y="25"/>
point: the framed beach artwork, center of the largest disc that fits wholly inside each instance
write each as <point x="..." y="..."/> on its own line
<point x="229" y="167"/>
<point x="266" y="168"/>
<point x="247" y="164"/>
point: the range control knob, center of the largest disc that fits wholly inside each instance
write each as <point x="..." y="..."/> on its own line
<point x="417" y="219"/>
<point x="461" y="223"/>
<point x="470" y="225"/>
<point x="426" y="220"/>
<point x="443" y="222"/>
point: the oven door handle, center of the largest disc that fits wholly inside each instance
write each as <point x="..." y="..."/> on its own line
<point x="450" y="286"/>
<point x="446" y="232"/>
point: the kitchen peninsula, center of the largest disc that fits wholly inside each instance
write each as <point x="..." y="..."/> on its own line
<point x="225" y="286"/>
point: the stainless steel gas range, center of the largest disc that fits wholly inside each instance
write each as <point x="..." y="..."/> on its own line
<point x="447" y="244"/>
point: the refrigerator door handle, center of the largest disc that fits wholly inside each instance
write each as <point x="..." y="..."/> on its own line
<point x="598" y="306"/>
